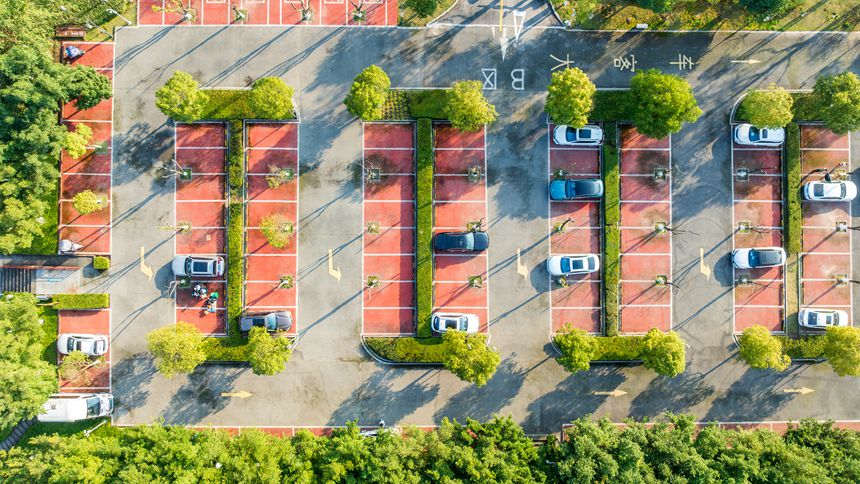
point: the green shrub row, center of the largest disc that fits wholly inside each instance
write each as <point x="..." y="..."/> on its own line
<point x="408" y="350"/>
<point x="235" y="262"/>
<point x="236" y="160"/>
<point x="81" y="301"/>
<point x="405" y="104"/>
<point x="101" y="263"/>
<point x="791" y="185"/>
<point x="424" y="228"/>
<point x="612" y="232"/>
<point x="612" y="106"/>
<point x="809" y="347"/>
<point x="619" y="348"/>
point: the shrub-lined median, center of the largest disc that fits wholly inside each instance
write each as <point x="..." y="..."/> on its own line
<point x="612" y="232"/>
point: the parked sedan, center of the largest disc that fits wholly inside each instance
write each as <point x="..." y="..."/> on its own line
<point x="575" y="189"/>
<point x="442" y="322"/>
<point x="825" y="191"/>
<point x="568" y="265"/>
<point x="197" y="266"/>
<point x="461" y="241"/>
<point x="88" y="344"/>
<point x="589" y="134"/>
<point x="822" y="318"/>
<point x="277" y="321"/>
<point x="747" y="134"/>
<point x="758" y="257"/>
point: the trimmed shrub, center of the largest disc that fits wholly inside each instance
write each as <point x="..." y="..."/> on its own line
<point x="428" y="103"/>
<point x="791" y="187"/>
<point x="81" y="301"/>
<point x="467" y="108"/>
<point x="86" y="202"/>
<point x="569" y="98"/>
<point x="657" y="5"/>
<point x="424" y="228"/>
<point x="612" y="232"/>
<point x="368" y="94"/>
<point x="412" y="350"/>
<point x="101" y="263"/>
<point x="612" y="106"/>
<point x="271" y="98"/>
<point x="180" y="98"/>
<point x="577" y="348"/>
<point x="810" y="347"/>
<point x="235" y="264"/>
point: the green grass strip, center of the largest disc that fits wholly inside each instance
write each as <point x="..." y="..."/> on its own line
<point x="81" y="301"/>
<point x="408" y="350"/>
<point x="612" y="232"/>
<point x="424" y="228"/>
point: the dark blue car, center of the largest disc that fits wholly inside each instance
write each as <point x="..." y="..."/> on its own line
<point x="461" y="241"/>
<point x="575" y="189"/>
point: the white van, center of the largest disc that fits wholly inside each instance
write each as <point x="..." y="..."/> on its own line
<point x="71" y="407"/>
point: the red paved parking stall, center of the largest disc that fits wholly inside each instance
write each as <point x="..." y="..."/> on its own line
<point x="389" y="229"/>
<point x="201" y="203"/>
<point x="458" y="200"/>
<point x="645" y="252"/>
<point x="271" y="146"/>
<point x="92" y="171"/>
<point x="87" y="322"/>
<point x="272" y="12"/>
<point x="578" y="303"/>
<point x="826" y="250"/>
<point x="757" y="202"/>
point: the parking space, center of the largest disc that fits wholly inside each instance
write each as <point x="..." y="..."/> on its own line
<point x="826" y="255"/>
<point x="460" y="282"/>
<point x="87" y="322"/>
<point x="201" y="217"/>
<point x="388" y="260"/>
<point x="758" y="294"/>
<point x="575" y="228"/>
<point x="272" y="12"/>
<point x="646" y="232"/>
<point x="270" y="272"/>
<point x="92" y="171"/>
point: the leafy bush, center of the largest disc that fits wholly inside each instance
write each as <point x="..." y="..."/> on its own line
<point x="661" y="103"/>
<point x="267" y="354"/>
<point x="838" y="99"/>
<point x="271" y="98"/>
<point x="612" y="232"/>
<point x="408" y="350"/>
<point x="101" y="263"/>
<point x="235" y="263"/>
<point x="368" y="94"/>
<point x="810" y="347"/>
<point x="75" y="143"/>
<point x="81" y="301"/>
<point x="768" y="108"/>
<point x="770" y="7"/>
<point x="236" y="160"/>
<point x="277" y="229"/>
<point x="180" y="98"/>
<point x="428" y="103"/>
<point x="89" y="87"/>
<point x="177" y="348"/>
<point x="424" y="228"/>
<point x="618" y="348"/>
<point x="577" y="348"/>
<point x="88" y="202"/>
<point x="232" y="348"/>
<point x="842" y="349"/>
<point x="569" y="97"/>
<point x="664" y="352"/>
<point x="791" y="186"/>
<point x="657" y="5"/>
<point x="469" y="357"/>
<point x="467" y="108"/>
<point x="760" y="349"/>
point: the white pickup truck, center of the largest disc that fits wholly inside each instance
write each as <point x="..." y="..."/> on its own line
<point x="71" y="407"/>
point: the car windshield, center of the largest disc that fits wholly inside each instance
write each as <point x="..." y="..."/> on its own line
<point x="754" y="134"/>
<point x="271" y="322"/>
<point x="92" y="407"/>
<point x="570" y="134"/>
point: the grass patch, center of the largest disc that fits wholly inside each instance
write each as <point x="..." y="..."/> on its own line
<point x="67" y="429"/>
<point x="111" y="23"/>
<point x="424" y="228"/>
<point x="428" y="103"/>
<point x="228" y="104"/>
<point x="612" y="106"/>
<point x="805" y="347"/>
<point x="408" y="17"/>
<point x="80" y="301"/>
<point x="47" y="242"/>
<point x="51" y="326"/>
<point x="409" y="350"/>
<point x="612" y="232"/>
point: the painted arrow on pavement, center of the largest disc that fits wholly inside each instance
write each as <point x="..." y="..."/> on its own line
<point x="745" y="61"/>
<point x="241" y="394"/>
<point x="802" y="390"/>
<point x="613" y="393"/>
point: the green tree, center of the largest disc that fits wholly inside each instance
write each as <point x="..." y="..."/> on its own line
<point x="658" y="5"/>
<point x="760" y="349"/>
<point x="26" y="381"/>
<point x="838" y="99"/>
<point x="577" y="348"/>
<point x="663" y="352"/>
<point x="180" y="98"/>
<point x="74" y="368"/>
<point x="423" y="8"/>
<point x="272" y="98"/>
<point x="768" y="108"/>
<point x="570" y="97"/>
<point x="368" y="93"/>
<point x="842" y="349"/>
<point x="24" y="22"/>
<point x="88" y="87"/>
<point x="88" y="202"/>
<point x="661" y="103"/>
<point x="469" y="357"/>
<point x="277" y="229"/>
<point x="467" y="108"/>
<point x="76" y="141"/>
<point x="176" y="348"/>
<point x="267" y="354"/>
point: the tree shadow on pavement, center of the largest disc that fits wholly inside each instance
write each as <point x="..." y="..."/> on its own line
<point x="130" y="382"/>
<point x="671" y="395"/>
<point x="200" y="396"/>
<point x="481" y="403"/>
<point x="376" y="399"/>
<point x="755" y="396"/>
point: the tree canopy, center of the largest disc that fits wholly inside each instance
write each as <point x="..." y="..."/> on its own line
<point x="838" y="99"/>
<point x="267" y="354"/>
<point x="664" y="352"/>
<point x="368" y="93"/>
<point x="271" y="98"/>
<point x="761" y="349"/>
<point x="768" y="108"/>
<point x="661" y="103"/>
<point x="569" y="98"/>
<point x="467" y="108"/>
<point x="180" y="98"/>
<point x="577" y="348"/>
<point x="842" y="349"/>
<point x="469" y="357"/>
<point x="176" y="348"/>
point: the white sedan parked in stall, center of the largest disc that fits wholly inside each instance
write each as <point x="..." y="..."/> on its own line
<point x="758" y="257"/>
<point x="822" y="318"/>
<point x="88" y="344"/>
<point x="589" y="134"/>
<point x="747" y="134"/>
<point x="442" y="322"/>
<point x="825" y="191"/>
<point x="568" y="265"/>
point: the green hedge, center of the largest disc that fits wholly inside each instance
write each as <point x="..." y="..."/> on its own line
<point x="408" y="350"/>
<point x="806" y="347"/>
<point x="233" y="348"/>
<point x="791" y="187"/>
<point x="235" y="261"/>
<point x="81" y="301"/>
<point x="236" y="160"/>
<point x="424" y="228"/>
<point x="405" y="104"/>
<point x="806" y="107"/>
<point x="612" y="106"/>
<point x="612" y="232"/>
<point x="621" y="348"/>
<point x="101" y="263"/>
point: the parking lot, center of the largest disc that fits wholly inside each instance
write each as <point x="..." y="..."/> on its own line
<point x="646" y="251"/>
<point x="460" y="281"/>
<point x="88" y="322"/>
<point x="271" y="12"/>
<point x="388" y="253"/>
<point x="575" y="228"/>
<point x="826" y="250"/>
<point x="201" y="211"/>
<point x="270" y="272"/>
<point x="93" y="170"/>
<point x="757" y="216"/>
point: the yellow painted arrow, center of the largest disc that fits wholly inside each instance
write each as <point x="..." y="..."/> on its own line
<point x="613" y="393"/>
<point x="241" y="394"/>
<point x="521" y="268"/>
<point x="801" y="390"/>
<point x="144" y="267"/>
<point x="331" y="270"/>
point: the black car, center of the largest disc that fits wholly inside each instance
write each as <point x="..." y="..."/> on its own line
<point x="461" y="241"/>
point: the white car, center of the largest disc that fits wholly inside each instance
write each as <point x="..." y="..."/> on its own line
<point x="589" y="134"/>
<point x="88" y="344"/>
<point x="197" y="266"/>
<point x="566" y="265"/>
<point x="747" y="134"/>
<point x="442" y="322"/>
<point x="822" y="318"/>
<point x="824" y="191"/>
<point x="758" y="257"/>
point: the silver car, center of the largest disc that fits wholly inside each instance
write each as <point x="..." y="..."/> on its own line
<point x="277" y="321"/>
<point x="197" y="266"/>
<point x="88" y="344"/>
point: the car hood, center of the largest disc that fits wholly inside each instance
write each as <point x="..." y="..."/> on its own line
<point x="178" y="265"/>
<point x="850" y="190"/>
